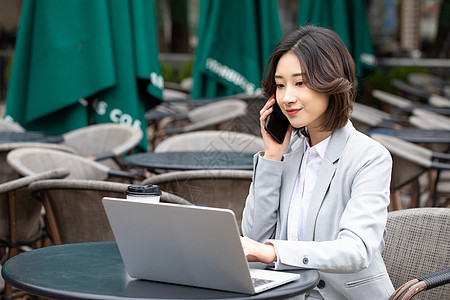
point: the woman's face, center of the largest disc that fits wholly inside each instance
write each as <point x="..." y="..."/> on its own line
<point x="301" y="105"/>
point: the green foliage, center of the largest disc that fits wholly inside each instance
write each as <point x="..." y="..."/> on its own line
<point x="7" y="71"/>
<point x="168" y="72"/>
<point x="171" y="75"/>
<point x="186" y="69"/>
<point x="381" y="80"/>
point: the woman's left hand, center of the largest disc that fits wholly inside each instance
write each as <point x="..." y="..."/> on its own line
<point x="259" y="252"/>
<point x="272" y="149"/>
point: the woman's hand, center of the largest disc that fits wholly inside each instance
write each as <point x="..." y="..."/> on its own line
<point x="255" y="251"/>
<point x="272" y="150"/>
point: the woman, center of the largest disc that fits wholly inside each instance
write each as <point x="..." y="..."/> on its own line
<point x="319" y="200"/>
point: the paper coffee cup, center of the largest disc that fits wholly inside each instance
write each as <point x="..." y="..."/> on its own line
<point x="143" y="193"/>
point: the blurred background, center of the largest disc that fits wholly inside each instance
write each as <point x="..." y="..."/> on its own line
<point x="399" y="28"/>
<point x="73" y="63"/>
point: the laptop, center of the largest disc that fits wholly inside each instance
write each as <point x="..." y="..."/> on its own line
<point x="188" y="245"/>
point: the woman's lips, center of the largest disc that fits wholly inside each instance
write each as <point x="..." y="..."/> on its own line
<point x="292" y="112"/>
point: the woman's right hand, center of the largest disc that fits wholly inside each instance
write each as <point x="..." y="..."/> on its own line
<point x="255" y="251"/>
<point x="272" y="149"/>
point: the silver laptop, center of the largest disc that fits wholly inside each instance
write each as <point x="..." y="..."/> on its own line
<point x="188" y="245"/>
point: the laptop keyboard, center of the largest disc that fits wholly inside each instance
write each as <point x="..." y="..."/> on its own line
<point x="258" y="281"/>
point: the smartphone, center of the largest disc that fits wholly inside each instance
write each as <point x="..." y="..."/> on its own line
<point x="277" y="124"/>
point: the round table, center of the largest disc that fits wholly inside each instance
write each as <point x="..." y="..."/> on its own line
<point x="416" y="135"/>
<point x="96" y="271"/>
<point x="192" y="160"/>
<point x="28" y="136"/>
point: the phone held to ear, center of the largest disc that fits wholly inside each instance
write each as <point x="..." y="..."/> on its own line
<point x="277" y="124"/>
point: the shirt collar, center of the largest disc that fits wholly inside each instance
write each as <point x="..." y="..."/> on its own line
<point x="321" y="147"/>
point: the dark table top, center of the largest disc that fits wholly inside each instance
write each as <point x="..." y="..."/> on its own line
<point x="416" y="135"/>
<point x="28" y="136"/>
<point x="192" y="160"/>
<point x="96" y="271"/>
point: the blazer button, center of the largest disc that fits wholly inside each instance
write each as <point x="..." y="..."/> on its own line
<point x="305" y="261"/>
<point x="321" y="284"/>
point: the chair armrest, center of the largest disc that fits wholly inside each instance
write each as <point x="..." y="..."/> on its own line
<point x="153" y="115"/>
<point x="421" y="93"/>
<point x="413" y="290"/>
<point x="425" y="282"/>
<point x="121" y="174"/>
<point x="25" y="181"/>
<point x="171" y="198"/>
<point x="103" y="155"/>
<point x="441" y="156"/>
<point x="173" y="130"/>
<point x="437" y="278"/>
<point x="402" y="289"/>
<point x="440" y="166"/>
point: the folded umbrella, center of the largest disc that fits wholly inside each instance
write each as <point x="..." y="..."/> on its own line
<point x="81" y="62"/>
<point x="235" y="40"/>
<point x="348" y="18"/>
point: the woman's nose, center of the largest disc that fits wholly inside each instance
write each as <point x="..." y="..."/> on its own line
<point x="288" y="96"/>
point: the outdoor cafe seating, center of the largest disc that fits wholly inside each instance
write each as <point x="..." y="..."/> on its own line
<point x="20" y="217"/>
<point x="105" y="143"/>
<point x="214" y="188"/>
<point x="432" y="83"/>
<point x="212" y="140"/>
<point x="365" y="117"/>
<point x="79" y="201"/>
<point x="416" y="252"/>
<point x="398" y="105"/>
<point x="429" y="120"/>
<point x="410" y="162"/>
<point x="419" y="94"/>
<point x="31" y="160"/>
<point x="217" y="115"/>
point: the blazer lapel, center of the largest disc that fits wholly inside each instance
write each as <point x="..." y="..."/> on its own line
<point x="326" y="174"/>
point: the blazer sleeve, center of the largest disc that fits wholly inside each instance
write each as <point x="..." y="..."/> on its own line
<point x="261" y="208"/>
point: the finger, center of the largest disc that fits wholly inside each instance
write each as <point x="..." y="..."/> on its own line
<point x="265" y="114"/>
<point x="267" y="105"/>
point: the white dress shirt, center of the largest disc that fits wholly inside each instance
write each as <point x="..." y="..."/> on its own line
<point x="304" y="186"/>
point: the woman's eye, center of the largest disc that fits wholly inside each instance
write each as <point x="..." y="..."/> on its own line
<point x="299" y="83"/>
<point x="280" y="86"/>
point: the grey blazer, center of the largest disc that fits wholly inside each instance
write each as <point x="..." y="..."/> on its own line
<point x="346" y="218"/>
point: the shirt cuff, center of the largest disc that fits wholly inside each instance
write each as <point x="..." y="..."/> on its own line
<point x="274" y="264"/>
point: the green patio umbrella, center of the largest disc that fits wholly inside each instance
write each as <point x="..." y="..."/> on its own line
<point x="348" y="18"/>
<point x="235" y="39"/>
<point x="79" y="62"/>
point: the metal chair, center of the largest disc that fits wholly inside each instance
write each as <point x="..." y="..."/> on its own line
<point x="215" y="188"/>
<point x="426" y="119"/>
<point x="401" y="106"/>
<point x="417" y="245"/>
<point x="431" y="83"/>
<point x="410" y="162"/>
<point x="21" y="219"/>
<point x="6" y="172"/>
<point x="74" y="209"/>
<point x="365" y="117"/>
<point x="31" y="160"/>
<point x="418" y="93"/>
<point x="106" y="143"/>
<point x="20" y="215"/>
<point x="212" y="140"/>
<point x="220" y="115"/>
